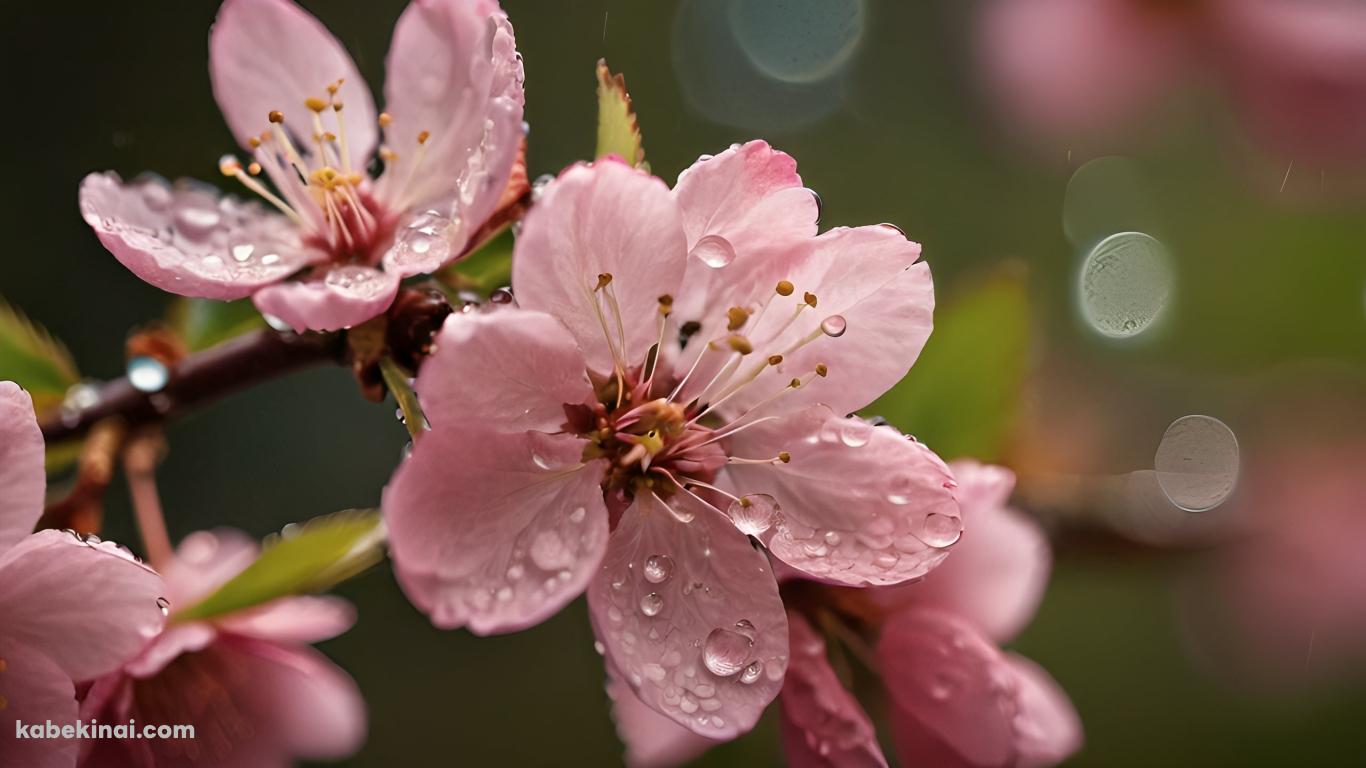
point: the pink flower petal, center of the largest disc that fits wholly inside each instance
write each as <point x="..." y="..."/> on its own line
<point x="453" y="71"/>
<point x="947" y="684"/>
<point x="1073" y="66"/>
<point x="690" y="614"/>
<point x="22" y="477"/>
<point x="89" y="606"/>
<point x="823" y="724"/>
<point x="751" y="197"/>
<point x="293" y="620"/>
<point x="267" y="55"/>
<point x="876" y="300"/>
<point x="595" y="219"/>
<point x="495" y="531"/>
<point x="204" y="561"/>
<point x="173" y="642"/>
<point x="652" y="740"/>
<point x="998" y="573"/>
<point x="313" y="705"/>
<point x="859" y="505"/>
<point x="1047" y="727"/>
<point x="1299" y="72"/>
<point x="189" y="240"/>
<point x="35" y="691"/>
<point x="508" y="371"/>
<point x="346" y="296"/>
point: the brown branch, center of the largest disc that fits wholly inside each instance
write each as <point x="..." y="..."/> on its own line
<point x="200" y="379"/>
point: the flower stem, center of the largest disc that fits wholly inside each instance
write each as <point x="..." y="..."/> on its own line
<point x="140" y="459"/>
<point x="397" y="382"/>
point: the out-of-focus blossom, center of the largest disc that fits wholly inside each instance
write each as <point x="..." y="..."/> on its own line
<point x="331" y="244"/>
<point x="674" y="381"/>
<point x="71" y="608"/>
<point x="1294" y="69"/>
<point x="1284" y="604"/>
<point x="255" y="692"/>
<point x="954" y="698"/>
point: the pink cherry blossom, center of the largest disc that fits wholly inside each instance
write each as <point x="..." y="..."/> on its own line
<point x="328" y="244"/>
<point x="674" y="382"/>
<point x="954" y="698"/>
<point x="1296" y="70"/>
<point x="248" y="682"/>
<point x="71" y="608"/>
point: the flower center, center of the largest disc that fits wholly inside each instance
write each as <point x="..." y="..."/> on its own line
<point x="664" y="436"/>
<point x="315" y="185"/>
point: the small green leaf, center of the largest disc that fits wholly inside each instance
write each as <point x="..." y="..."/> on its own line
<point x="396" y="379"/>
<point x="203" y="323"/>
<point x="961" y="396"/>
<point x="325" y="551"/>
<point x="31" y="358"/>
<point x="618" y="131"/>
<point x="484" y="271"/>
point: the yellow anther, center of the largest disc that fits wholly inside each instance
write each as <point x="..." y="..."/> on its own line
<point x="315" y="104"/>
<point x="336" y="106"/>
<point x="329" y="136"/>
<point x="736" y="317"/>
<point x="388" y="155"/>
<point x="784" y="457"/>
<point x="785" y="288"/>
<point x="422" y="137"/>
<point x="740" y="344"/>
<point x="254" y="169"/>
<point x="276" y="116"/>
<point x="333" y="88"/>
<point x="821" y="370"/>
<point x="604" y="280"/>
<point x="810" y="299"/>
<point x="775" y="359"/>
<point x="254" y="142"/>
<point x="666" y="305"/>
<point x="355" y="179"/>
<point x="385" y="119"/>
<point x="229" y="166"/>
<point x="794" y="383"/>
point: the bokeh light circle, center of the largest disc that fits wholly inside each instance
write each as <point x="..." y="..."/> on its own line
<point x="1125" y="284"/>
<point x="1197" y="463"/>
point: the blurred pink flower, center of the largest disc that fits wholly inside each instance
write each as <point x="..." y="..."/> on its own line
<point x="71" y="608"/>
<point x="1304" y="504"/>
<point x="450" y="139"/>
<point x="254" y="691"/>
<point x="1294" y="69"/>
<point x="954" y="698"/>
<point x="553" y="426"/>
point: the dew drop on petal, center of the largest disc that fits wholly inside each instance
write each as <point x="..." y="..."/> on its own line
<point x="714" y="251"/>
<point x="147" y="374"/>
<point x="754" y="513"/>
<point x="195" y="222"/>
<point x="751" y="673"/>
<point x="658" y="568"/>
<point x="834" y="326"/>
<point x="942" y="530"/>
<point x="726" y="652"/>
<point x="164" y="606"/>
<point x="855" y="432"/>
<point x="651" y="604"/>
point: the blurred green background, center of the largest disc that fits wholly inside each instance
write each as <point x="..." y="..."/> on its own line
<point x="1269" y="295"/>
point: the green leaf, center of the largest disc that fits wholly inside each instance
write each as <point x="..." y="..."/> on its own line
<point x="31" y="358"/>
<point x="323" y="552"/>
<point x="961" y="396"/>
<point x="203" y="323"/>
<point x="618" y="131"/>
<point x="484" y="271"/>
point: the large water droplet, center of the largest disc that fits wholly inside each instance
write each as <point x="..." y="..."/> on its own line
<point x="714" y="251"/>
<point x="651" y="604"/>
<point x="754" y="513"/>
<point x="548" y="551"/>
<point x="657" y="568"/>
<point x="242" y="252"/>
<point x="147" y="374"/>
<point x="195" y="222"/>
<point x="164" y="606"/>
<point x="834" y="326"/>
<point x="1125" y="284"/>
<point x="1197" y="463"/>
<point x="942" y="530"/>
<point x="726" y="652"/>
<point x="855" y="432"/>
